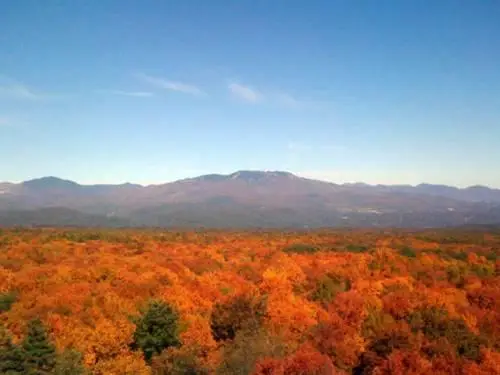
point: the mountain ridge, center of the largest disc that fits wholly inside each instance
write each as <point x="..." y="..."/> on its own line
<point x="246" y="197"/>
<point x="246" y="172"/>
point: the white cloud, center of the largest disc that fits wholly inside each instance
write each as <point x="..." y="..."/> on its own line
<point x="10" y="123"/>
<point x="288" y="100"/>
<point x="245" y="93"/>
<point x="14" y="90"/>
<point x="170" y="85"/>
<point x="137" y="94"/>
<point x="20" y="92"/>
<point x="251" y="94"/>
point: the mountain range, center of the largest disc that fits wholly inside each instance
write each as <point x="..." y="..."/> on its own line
<point x="256" y="199"/>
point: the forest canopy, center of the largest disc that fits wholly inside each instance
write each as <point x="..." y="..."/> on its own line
<point x="93" y="301"/>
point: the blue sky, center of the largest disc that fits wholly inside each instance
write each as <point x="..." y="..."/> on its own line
<point x="153" y="91"/>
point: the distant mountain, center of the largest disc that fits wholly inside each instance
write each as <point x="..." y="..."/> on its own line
<point x="472" y="193"/>
<point x="246" y="199"/>
<point x="50" y="183"/>
<point x="58" y="217"/>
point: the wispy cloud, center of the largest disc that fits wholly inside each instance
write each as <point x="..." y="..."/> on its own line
<point x="251" y="94"/>
<point x="289" y="101"/>
<point x="245" y="93"/>
<point x="136" y="94"/>
<point x="163" y="83"/>
<point x="21" y="92"/>
<point x="10" y="123"/>
<point x="14" y="90"/>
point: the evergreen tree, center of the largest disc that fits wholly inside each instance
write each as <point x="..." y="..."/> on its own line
<point x="40" y="354"/>
<point x="7" y="300"/>
<point x="11" y="355"/>
<point x="69" y="362"/>
<point x="156" y="329"/>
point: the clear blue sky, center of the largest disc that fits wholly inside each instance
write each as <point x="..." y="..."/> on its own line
<point x="152" y="91"/>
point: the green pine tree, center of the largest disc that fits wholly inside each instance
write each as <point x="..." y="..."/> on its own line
<point x="11" y="355"/>
<point x="69" y="362"/>
<point x="40" y="353"/>
<point x="7" y="300"/>
<point x="156" y="329"/>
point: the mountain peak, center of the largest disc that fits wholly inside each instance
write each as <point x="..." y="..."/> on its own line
<point x="245" y="175"/>
<point x="253" y="176"/>
<point x="49" y="182"/>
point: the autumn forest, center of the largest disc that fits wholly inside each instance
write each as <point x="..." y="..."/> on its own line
<point x="81" y="301"/>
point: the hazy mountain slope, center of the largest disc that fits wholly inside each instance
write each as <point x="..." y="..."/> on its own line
<point x="278" y="189"/>
<point x="58" y="216"/>
<point x="470" y="194"/>
<point x="246" y="198"/>
<point x="52" y="191"/>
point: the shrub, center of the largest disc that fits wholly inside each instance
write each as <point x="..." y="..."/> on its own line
<point x="241" y="312"/>
<point x="301" y="248"/>
<point x="408" y="252"/>
<point x="7" y="300"/>
<point x="375" y="323"/>
<point x="492" y="256"/>
<point x="175" y="362"/>
<point x="69" y="362"/>
<point x="458" y="255"/>
<point x="483" y="270"/>
<point x="429" y="321"/>
<point x="156" y="329"/>
<point x="384" y="345"/>
<point x="379" y="349"/>
<point x="249" y="346"/>
<point x="328" y="287"/>
<point x="456" y="275"/>
<point x="435" y="324"/>
<point x="356" y="248"/>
